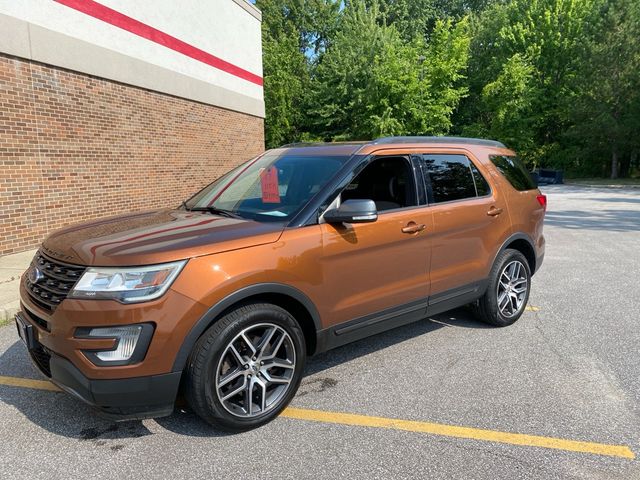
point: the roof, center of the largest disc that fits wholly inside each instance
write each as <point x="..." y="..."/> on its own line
<point x="442" y="139"/>
<point x="320" y="148"/>
<point x="352" y="147"/>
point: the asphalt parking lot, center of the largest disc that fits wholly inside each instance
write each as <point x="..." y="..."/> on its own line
<point x="565" y="378"/>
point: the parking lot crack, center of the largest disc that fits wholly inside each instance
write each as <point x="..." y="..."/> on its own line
<point x="549" y="341"/>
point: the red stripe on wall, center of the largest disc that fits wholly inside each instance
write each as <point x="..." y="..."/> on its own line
<point x="120" y="20"/>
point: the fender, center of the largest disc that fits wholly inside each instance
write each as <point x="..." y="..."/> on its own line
<point x="513" y="237"/>
<point x="208" y="318"/>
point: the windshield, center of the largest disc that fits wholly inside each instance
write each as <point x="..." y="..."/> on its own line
<point x="271" y="188"/>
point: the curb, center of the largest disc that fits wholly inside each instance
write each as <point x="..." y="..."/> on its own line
<point x="7" y="313"/>
<point x="12" y="306"/>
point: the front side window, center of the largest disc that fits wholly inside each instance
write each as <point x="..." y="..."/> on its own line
<point x="514" y="171"/>
<point x="388" y="181"/>
<point x="273" y="187"/>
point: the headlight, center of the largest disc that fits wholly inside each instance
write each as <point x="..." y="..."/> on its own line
<point x="130" y="343"/>
<point x="127" y="285"/>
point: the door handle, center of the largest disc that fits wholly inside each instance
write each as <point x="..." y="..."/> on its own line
<point x="494" y="212"/>
<point x="413" y="227"/>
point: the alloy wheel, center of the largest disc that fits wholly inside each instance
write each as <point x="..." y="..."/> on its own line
<point x="512" y="288"/>
<point x="255" y="370"/>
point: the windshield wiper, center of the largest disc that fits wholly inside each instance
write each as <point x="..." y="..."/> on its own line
<point x="216" y="211"/>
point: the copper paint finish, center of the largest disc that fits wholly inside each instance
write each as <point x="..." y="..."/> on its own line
<point x="347" y="271"/>
<point x="155" y="237"/>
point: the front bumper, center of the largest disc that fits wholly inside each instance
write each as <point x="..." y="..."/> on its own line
<point x="173" y="316"/>
<point x="121" y="399"/>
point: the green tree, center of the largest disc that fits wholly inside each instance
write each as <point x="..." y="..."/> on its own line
<point x="418" y="18"/>
<point x="285" y="79"/>
<point x="558" y="80"/>
<point x="311" y="21"/>
<point x="505" y="104"/>
<point x="542" y="42"/>
<point x="371" y="83"/>
<point x="293" y="32"/>
<point x="606" y="106"/>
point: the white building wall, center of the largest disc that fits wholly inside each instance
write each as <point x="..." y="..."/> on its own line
<point x="106" y="39"/>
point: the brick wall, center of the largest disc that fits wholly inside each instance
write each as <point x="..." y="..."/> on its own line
<point x="75" y="147"/>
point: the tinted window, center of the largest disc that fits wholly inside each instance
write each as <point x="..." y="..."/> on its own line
<point x="450" y="177"/>
<point x="514" y="171"/>
<point x="388" y="181"/>
<point x="482" y="187"/>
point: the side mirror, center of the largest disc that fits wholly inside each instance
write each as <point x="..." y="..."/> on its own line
<point x="353" y="211"/>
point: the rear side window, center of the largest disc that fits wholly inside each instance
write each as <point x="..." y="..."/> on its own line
<point x="482" y="187"/>
<point x="514" y="171"/>
<point x="452" y="177"/>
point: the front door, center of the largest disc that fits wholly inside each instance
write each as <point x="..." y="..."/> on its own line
<point x="380" y="267"/>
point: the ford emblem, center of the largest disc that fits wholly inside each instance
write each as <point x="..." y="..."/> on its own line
<point x="35" y="275"/>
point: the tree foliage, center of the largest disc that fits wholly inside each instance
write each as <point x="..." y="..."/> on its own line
<point x="557" y="80"/>
<point x="606" y="103"/>
<point x="371" y="83"/>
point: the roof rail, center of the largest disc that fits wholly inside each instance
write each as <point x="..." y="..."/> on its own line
<point x="322" y="144"/>
<point x="418" y="139"/>
<point x="300" y="144"/>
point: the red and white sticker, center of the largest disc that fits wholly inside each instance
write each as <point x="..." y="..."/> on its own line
<point x="269" y="185"/>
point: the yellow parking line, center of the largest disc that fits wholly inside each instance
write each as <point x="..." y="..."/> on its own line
<point x="28" y="383"/>
<point x="531" y="308"/>
<point x="408" y="425"/>
<point x="459" y="432"/>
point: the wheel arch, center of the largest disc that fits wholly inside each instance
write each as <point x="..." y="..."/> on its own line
<point x="522" y="243"/>
<point x="284" y="296"/>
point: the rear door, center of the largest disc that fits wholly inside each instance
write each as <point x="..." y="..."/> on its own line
<point x="470" y="221"/>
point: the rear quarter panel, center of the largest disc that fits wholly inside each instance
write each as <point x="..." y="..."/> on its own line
<point x="525" y="212"/>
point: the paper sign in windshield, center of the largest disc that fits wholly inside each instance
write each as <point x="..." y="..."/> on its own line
<point x="269" y="185"/>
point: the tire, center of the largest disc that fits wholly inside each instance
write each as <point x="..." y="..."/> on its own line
<point x="257" y="348"/>
<point x="491" y="307"/>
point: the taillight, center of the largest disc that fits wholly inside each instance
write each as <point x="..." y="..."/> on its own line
<point x="542" y="200"/>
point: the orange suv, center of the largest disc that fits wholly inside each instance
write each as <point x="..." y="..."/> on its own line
<point x="300" y="250"/>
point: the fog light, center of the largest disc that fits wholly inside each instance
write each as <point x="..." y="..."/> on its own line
<point x="127" y="341"/>
<point x="131" y="343"/>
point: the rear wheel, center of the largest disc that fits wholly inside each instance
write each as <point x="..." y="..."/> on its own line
<point x="246" y="368"/>
<point x="508" y="292"/>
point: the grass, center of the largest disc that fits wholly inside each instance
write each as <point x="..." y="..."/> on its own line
<point x="6" y="317"/>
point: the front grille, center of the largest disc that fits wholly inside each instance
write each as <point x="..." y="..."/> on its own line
<point x="57" y="280"/>
<point x="41" y="322"/>
<point x="42" y="359"/>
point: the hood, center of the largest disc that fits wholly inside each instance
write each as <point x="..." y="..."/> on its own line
<point x="156" y="237"/>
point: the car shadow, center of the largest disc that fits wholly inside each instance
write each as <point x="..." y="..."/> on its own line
<point x="461" y="317"/>
<point x="184" y="422"/>
<point x="64" y="415"/>
<point x="57" y="412"/>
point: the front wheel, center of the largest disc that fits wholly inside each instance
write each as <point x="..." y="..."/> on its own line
<point x="246" y="368"/>
<point x="508" y="292"/>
